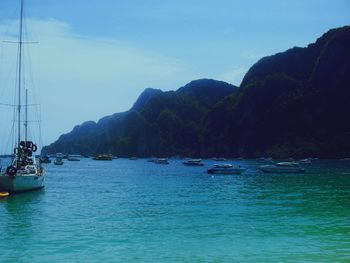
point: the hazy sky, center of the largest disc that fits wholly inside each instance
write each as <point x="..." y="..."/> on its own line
<point x="95" y="57"/>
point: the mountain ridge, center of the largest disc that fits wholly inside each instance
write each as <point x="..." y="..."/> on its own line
<point x="288" y="104"/>
<point x="152" y="109"/>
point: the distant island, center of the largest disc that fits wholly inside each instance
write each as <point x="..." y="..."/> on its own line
<point x="292" y="104"/>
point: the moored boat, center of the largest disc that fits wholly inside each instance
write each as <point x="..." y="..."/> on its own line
<point x="193" y="162"/>
<point x="225" y="169"/>
<point x="219" y="159"/>
<point x="152" y="160"/>
<point x="266" y="159"/>
<point x="59" y="159"/>
<point x="282" y="167"/>
<point x="103" y="157"/>
<point x="306" y="161"/>
<point x="73" y="158"/>
<point x="4" y="194"/>
<point x="23" y="173"/>
<point x="161" y="161"/>
<point x="44" y="159"/>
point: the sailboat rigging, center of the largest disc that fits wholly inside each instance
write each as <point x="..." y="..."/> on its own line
<point x="23" y="173"/>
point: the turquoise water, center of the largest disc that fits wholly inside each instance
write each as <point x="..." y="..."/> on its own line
<point x="136" y="211"/>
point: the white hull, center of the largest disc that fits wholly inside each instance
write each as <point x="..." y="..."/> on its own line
<point x="21" y="183"/>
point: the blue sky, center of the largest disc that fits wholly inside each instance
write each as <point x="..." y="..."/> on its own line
<point x="95" y="57"/>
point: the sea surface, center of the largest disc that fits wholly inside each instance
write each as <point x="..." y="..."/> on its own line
<point x="136" y="211"/>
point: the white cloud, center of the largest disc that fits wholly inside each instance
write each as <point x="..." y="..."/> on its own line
<point x="83" y="78"/>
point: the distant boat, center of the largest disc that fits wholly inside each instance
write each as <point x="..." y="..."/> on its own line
<point x="161" y="161"/>
<point x="133" y="158"/>
<point x="193" y="162"/>
<point x="23" y="173"/>
<point x="59" y="159"/>
<point x="44" y="159"/>
<point x="103" y="157"/>
<point x="152" y="160"/>
<point x="306" y="161"/>
<point x="225" y="169"/>
<point x="282" y="167"/>
<point x="266" y="159"/>
<point x="219" y="159"/>
<point x="4" y="194"/>
<point x="73" y="159"/>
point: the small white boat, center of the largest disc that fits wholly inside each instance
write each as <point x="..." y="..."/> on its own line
<point x="103" y="157"/>
<point x="225" y="169"/>
<point x="73" y="159"/>
<point x="306" y="161"/>
<point x="282" y="167"/>
<point x="59" y="159"/>
<point x="193" y="162"/>
<point x="266" y="159"/>
<point x="219" y="159"/>
<point x="161" y="161"/>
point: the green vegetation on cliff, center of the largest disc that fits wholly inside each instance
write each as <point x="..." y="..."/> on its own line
<point x="159" y="123"/>
<point x="294" y="103"/>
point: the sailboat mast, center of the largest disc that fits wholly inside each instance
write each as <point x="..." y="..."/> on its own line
<point x="26" y="118"/>
<point x="20" y="74"/>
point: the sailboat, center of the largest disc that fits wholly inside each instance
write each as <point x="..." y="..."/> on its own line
<point x="23" y="173"/>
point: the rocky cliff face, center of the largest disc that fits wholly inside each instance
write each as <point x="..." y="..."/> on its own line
<point x="290" y="104"/>
<point x="159" y="123"/>
<point x="294" y="103"/>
